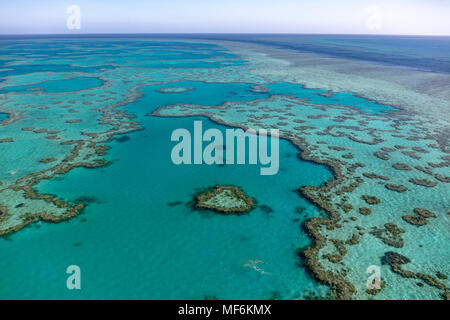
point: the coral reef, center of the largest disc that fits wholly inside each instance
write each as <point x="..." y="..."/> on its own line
<point x="225" y="199"/>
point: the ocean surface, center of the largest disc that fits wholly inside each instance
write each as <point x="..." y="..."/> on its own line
<point x="416" y="52"/>
<point x="428" y="53"/>
<point x="140" y="236"/>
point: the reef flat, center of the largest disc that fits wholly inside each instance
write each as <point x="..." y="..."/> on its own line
<point x="379" y="129"/>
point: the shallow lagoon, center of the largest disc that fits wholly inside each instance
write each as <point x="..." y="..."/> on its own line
<point x="211" y="93"/>
<point x="138" y="242"/>
<point x="341" y="98"/>
<point x="135" y="240"/>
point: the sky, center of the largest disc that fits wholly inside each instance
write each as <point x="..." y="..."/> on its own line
<point x="404" y="17"/>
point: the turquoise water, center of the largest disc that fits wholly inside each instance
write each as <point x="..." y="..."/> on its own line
<point x="205" y="93"/>
<point x="81" y="55"/>
<point x="135" y="239"/>
<point x="139" y="236"/>
<point x="340" y="98"/>
<point x="210" y="93"/>
<point x="145" y="248"/>
<point x="3" y="116"/>
<point x="69" y="85"/>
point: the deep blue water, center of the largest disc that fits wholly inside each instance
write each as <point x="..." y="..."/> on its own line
<point x="417" y="52"/>
<point x="424" y="53"/>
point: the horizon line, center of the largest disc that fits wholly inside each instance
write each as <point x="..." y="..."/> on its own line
<point x="222" y="33"/>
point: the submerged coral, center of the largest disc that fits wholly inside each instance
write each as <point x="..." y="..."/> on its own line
<point x="225" y="199"/>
